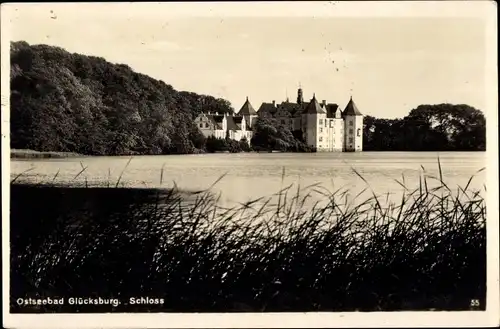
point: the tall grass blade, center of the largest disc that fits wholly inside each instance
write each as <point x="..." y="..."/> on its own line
<point x="55" y="176"/>
<point x="123" y="171"/>
<point x="20" y="174"/>
<point x="79" y="173"/>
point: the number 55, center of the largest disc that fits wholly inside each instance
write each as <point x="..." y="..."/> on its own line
<point x="474" y="302"/>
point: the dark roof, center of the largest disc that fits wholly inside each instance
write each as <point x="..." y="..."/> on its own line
<point x="267" y="108"/>
<point x="215" y="119"/>
<point x="292" y="108"/>
<point x="247" y="109"/>
<point x="238" y="121"/>
<point x="231" y="124"/>
<point x="283" y="112"/>
<point x="313" y="107"/>
<point x="351" y="109"/>
<point x="331" y="110"/>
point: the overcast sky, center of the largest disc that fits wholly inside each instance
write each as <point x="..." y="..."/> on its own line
<point x="390" y="63"/>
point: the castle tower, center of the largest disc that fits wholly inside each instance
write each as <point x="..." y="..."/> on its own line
<point x="248" y="112"/>
<point x="300" y="96"/>
<point x="353" y="128"/>
<point x="313" y="122"/>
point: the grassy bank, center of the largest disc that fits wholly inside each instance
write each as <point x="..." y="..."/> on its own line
<point x="426" y="252"/>
<point x="31" y="154"/>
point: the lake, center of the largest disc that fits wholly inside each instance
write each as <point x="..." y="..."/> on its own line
<point x="253" y="175"/>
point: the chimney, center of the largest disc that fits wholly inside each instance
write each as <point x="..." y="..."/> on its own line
<point x="274" y="103"/>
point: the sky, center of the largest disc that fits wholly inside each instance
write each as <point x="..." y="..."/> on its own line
<point x="389" y="62"/>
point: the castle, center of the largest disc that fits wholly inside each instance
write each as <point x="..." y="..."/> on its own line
<point x="323" y="126"/>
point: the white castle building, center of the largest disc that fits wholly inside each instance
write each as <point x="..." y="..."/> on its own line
<point x="224" y="125"/>
<point x="323" y="126"/>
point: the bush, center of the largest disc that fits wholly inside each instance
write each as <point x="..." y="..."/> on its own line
<point x="214" y="144"/>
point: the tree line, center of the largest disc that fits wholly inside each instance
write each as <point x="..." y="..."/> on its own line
<point x="65" y="102"/>
<point x="441" y="127"/>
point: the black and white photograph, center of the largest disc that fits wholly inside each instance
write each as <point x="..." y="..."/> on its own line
<point x="246" y="164"/>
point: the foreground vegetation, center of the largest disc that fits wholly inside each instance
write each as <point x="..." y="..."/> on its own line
<point x="426" y="252"/>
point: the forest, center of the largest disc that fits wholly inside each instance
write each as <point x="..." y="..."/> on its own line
<point x="65" y="102"/>
<point x="74" y="103"/>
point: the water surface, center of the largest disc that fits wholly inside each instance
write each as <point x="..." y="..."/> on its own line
<point x="252" y="175"/>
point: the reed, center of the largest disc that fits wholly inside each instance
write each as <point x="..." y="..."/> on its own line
<point x="428" y="251"/>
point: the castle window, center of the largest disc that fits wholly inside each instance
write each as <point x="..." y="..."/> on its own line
<point x="320" y="121"/>
<point x="201" y="125"/>
<point x="321" y="139"/>
<point x="350" y="131"/>
<point x="350" y="139"/>
<point x="206" y="124"/>
<point x="320" y="130"/>
<point x="359" y="132"/>
<point x="331" y="123"/>
<point x="350" y="123"/>
<point x="282" y="122"/>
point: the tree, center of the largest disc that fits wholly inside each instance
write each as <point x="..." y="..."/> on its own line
<point x="270" y="135"/>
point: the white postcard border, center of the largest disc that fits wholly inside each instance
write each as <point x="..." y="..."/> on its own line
<point x="490" y="317"/>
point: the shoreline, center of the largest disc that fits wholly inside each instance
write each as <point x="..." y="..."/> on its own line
<point x="32" y="154"/>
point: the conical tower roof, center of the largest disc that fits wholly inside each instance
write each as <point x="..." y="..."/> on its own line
<point x="247" y="109"/>
<point x="351" y="109"/>
<point x="313" y="107"/>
